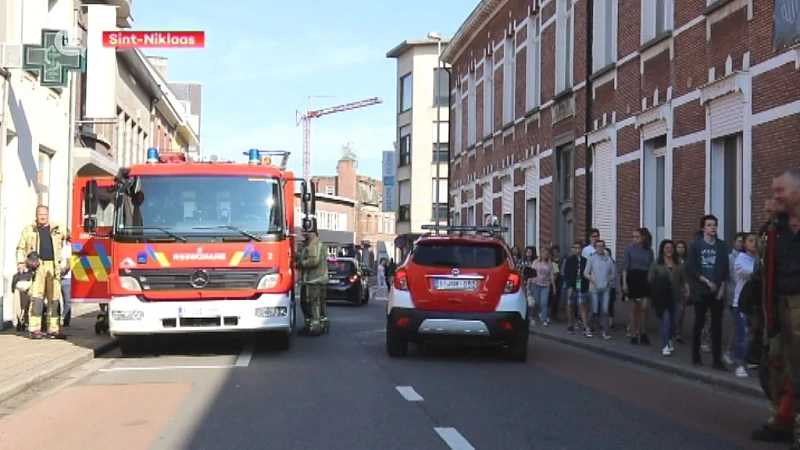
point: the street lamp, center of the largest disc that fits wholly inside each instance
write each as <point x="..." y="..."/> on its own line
<point x="438" y="38"/>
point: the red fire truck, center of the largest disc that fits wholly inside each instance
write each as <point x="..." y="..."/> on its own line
<point x="185" y="247"/>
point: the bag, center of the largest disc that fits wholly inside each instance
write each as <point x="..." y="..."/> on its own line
<point x="531" y="301"/>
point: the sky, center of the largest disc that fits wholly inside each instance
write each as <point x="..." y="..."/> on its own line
<point x="264" y="58"/>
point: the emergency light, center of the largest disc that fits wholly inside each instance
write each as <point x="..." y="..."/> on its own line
<point x="152" y="155"/>
<point x="254" y="157"/>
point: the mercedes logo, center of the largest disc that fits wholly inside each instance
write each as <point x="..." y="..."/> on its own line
<point x="198" y="279"/>
<point x="456" y="272"/>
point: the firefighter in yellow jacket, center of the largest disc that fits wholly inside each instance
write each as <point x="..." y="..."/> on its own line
<point x="46" y="238"/>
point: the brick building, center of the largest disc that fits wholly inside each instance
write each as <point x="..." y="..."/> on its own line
<point x="688" y="110"/>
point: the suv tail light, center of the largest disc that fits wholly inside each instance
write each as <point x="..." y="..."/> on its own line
<point x="353" y="278"/>
<point x="513" y="283"/>
<point x="401" y="280"/>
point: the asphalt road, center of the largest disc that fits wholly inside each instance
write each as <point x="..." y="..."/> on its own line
<point x="342" y="391"/>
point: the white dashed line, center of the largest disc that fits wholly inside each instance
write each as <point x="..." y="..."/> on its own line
<point x="454" y="439"/>
<point x="247" y="354"/>
<point x="409" y="393"/>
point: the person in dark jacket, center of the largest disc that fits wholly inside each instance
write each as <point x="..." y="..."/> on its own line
<point x="708" y="271"/>
<point x="577" y="286"/>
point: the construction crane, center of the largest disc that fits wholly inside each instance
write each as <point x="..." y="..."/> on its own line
<point x="305" y="119"/>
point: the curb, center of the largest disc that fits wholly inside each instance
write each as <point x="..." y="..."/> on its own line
<point x="663" y="366"/>
<point x="10" y="388"/>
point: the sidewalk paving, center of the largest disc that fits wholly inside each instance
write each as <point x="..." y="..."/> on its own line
<point x="679" y="363"/>
<point x="24" y="362"/>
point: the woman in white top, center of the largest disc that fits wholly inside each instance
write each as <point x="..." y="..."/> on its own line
<point x="742" y="270"/>
<point x="66" y="278"/>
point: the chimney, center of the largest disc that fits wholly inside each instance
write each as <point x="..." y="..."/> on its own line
<point x="346" y="183"/>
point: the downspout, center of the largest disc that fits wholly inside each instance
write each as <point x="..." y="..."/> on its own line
<point x="588" y="116"/>
<point x="73" y="92"/>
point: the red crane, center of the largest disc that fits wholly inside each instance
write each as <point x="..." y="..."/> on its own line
<point x="314" y="114"/>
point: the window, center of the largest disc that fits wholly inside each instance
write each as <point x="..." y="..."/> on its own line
<point x="604" y="42"/>
<point x="533" y="71"/>
<point x="472" y="110"/>
<point x="488" y="95"/>
<point x="530" y="222"/>
<point x="509" y="79"/>
<point x="404" y="213"/>
<point x="441" y="153"/>
<point x="471" y="216"/>
<point x="564" y="45"/>
<point x="405" y="192"/>
<point x="441" y="88"/>
<point x="330" y="190"/>
<point x="43" y="178"/>
<point x="457" y="219"/>
<point x="449" y="255"/>
<point x="105" y="206"/>
<point x="654" y="214"/>
<point x="566" y="173"/>
<point x="656" y="18"/>
<point x="405" y="146"/>
<point x="442" y="212"/>
<point x="442" y="185"/>
<point x="727" y="195"/>
<point x="406" y="93"/>
<point x="508" y="224"/>
<point x="459" y="113"/>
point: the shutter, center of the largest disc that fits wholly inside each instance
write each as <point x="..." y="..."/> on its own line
<point x="654" y="129"/>
<point x="726" y="115"/>
<point x="531" y="181"/>
<point x="604" y="206"/>
<point x="405" y="193"/>
<point x="488" y="193"/>
<point x="508" y="195"/>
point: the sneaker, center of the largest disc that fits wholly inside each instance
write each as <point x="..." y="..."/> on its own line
<point x="606" y="336"/>
<point x="588" y="333"/>
<point x="741" y="372"/>
<point x="671" y="346"/>
<point x="666" y="351"/>
<point x="644" y="339"/>
<point x="571" y="329"/>
<point x="751" y="366"/>
<point x="546" y="323"/>
<point x="36" y="335"/>
<point x="726" y="358"/>
<point x="57" y="335"/>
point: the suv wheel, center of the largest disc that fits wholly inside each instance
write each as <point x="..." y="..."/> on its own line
<point x="518" y="347"/>
<point x="396" y="347"/>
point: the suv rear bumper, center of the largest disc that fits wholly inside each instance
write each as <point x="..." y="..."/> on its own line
<point x="424" y="325"/>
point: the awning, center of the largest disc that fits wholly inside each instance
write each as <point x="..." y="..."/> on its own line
<point x="90" y="162"/>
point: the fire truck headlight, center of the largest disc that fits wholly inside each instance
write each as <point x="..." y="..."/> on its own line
<point x="269" y="281"/>
<point x="130" y="284"/>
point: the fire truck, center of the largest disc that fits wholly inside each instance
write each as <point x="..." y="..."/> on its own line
<point x="176" y="246"/>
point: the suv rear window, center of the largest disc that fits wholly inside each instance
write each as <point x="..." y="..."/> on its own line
<point x="461" y="255"/>
<point x="342" y="268"/>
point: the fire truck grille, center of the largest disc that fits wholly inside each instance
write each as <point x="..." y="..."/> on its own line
<point x="187" y="279"/>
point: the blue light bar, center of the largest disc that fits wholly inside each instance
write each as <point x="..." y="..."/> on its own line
<point x="152" y="155"/>
<point x="254" y="156"/>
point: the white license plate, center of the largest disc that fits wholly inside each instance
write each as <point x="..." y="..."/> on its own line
<point x="456" y="285"/>
<point x="334" y="281"/>
<point x="198" y="312"/>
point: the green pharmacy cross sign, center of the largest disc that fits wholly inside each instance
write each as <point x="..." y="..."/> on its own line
<point x="54" y="59"/>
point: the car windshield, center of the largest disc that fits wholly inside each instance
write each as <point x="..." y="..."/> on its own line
<point x="459" y="255"/>
<point x="341" y="268"/>
<point x="182" y="206"/>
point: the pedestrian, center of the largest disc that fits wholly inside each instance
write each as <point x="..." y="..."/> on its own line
<point x="742" y="271"/>
<point x="738" y="247"/>
<point x="636" y="262"/>
<point x="383" y="281"/>
<point x="313" y="278"/>
<point x="613" y="296"/>
<point x="594" y="235"/>
<point x="555" y="296"/>
<point x="543" y="284"/>
<point x="46" y="238"/>
<point x="668" y="284"/>
<point x="577" y="288"/>
<point x="66" y="281"/>
<point x="707" y="268"/>
<point x="601" y="272"/>
<point x="680" y="251"/>
<point x="390" y="269"/>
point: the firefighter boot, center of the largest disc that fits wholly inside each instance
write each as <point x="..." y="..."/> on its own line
<point x="315" y="328"/>
<point x="325" y="325"/>
<point x="53" y="328"/>
<point x="306" y="327"/>
<point x="35" y="318"/>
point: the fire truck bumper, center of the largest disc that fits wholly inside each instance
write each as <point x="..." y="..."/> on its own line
<point x="271" y="312"/>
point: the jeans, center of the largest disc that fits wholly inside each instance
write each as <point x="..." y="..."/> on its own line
<point x="740" y="339"/>
<point x="600" y="304"/>
<point x="708" y="304"/>
<point x="542" y="296"/>
<point x="66" y="295"/>
<point x="669" y="323"/>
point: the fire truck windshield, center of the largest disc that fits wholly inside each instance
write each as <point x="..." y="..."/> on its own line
<point x="196" y="207"/>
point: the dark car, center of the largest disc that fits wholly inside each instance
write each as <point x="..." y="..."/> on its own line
<point x="347" y="281"/>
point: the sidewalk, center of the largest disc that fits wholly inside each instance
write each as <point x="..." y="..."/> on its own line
<point x="24" y="362"/>
<point x="679" y="363"/>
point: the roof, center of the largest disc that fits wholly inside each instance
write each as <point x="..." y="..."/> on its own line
<point x="479" y="16"/>
<point x="407" y="45"/>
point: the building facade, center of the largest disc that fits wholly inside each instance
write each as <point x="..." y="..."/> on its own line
<point x="190" y="96"/>
<point x="417" y="155"/>
<point x="657" y="117"/>
<point x="336" y="221"/>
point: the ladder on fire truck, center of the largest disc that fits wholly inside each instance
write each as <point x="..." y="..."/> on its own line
<point x="305" y="119"/>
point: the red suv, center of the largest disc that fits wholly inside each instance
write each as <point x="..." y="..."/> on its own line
<point x="462" y="289"/>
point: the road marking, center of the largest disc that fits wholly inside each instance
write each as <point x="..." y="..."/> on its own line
<point x="247" y="354"/>
<point x="152" y="369"/>
<point x="409" y="393"/>
<point x="453" y="439"/>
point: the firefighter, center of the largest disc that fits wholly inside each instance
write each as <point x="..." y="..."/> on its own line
<point x="313" y="280"/>
<point x="47" y="239"/>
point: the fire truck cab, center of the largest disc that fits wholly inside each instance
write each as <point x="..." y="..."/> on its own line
<point x="195" y="247"/>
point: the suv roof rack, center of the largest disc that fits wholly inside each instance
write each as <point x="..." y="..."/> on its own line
<point x="461" y="230"/>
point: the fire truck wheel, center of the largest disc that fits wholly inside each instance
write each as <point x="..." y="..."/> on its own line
<point x="293" y="312"/>
<point x="131" y="345"/>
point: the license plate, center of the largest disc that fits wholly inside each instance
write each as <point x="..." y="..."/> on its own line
<point x="198" y="312"/>
<point x="456" y="285"/>
<point x="334" y="281"/>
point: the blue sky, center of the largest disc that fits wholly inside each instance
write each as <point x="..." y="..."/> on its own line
<point x="264" y="57"/>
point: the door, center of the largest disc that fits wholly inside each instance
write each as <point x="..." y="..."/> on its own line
<point x="91" y="254"/>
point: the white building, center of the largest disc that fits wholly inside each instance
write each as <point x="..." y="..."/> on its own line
<point x="417" y="154"/>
